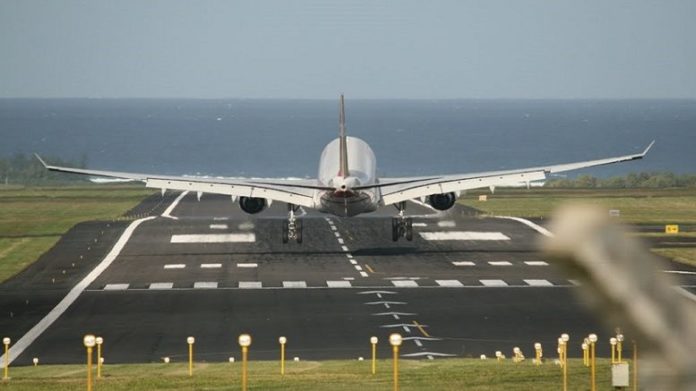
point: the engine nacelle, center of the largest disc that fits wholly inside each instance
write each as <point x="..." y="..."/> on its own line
<point x="442" y="201"/>
<point x="252" y="205"/>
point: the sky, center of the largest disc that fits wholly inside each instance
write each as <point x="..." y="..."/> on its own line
<point x="316" y="49"/>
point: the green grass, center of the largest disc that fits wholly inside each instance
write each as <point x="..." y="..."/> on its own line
<point x="444" y="374"/>
<point x="32" y="219"/>
<point x="638" y="206"/>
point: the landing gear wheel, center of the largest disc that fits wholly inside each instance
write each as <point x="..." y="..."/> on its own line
<point x="395" y="229"/>
<point x="409" y="229"/>
<point x="285" y="232"/>
<point x="298" y="231"/>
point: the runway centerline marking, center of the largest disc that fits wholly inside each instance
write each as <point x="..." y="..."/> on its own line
<point x="538" y="282"/>
<point x="27" y="339"/>
<point x="218" y="226"/>
<point x="446" y="224"/>
<point x="536" y="263"/>
<point x="493" y="282"/>
<point x="211" y="265"/>
<point x="463" y="235"/>
<point x="500" y="263"/>
<point x="463" y="263"/>
<point x="214" y="238"/>
<point x="175" y="266"/>
<point x="247" y="265"/>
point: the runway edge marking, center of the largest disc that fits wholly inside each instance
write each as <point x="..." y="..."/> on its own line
<point x="27" y="339"/>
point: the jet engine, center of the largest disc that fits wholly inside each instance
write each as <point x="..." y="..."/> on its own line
<point x="252" y="205"/>
<point x="442" y="201"/>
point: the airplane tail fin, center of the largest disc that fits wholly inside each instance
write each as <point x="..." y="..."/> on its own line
<point x="343" y="144"/>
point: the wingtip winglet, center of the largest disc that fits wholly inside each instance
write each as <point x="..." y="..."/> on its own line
<point x="648" y="148"/>
<point x="36" y="155"/>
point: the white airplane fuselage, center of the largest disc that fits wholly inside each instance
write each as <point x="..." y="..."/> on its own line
<point x="345" y="200"/>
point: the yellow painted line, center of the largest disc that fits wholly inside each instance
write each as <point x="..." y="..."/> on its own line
<point x="421" y="329"/>
<point x="369" y="268"/>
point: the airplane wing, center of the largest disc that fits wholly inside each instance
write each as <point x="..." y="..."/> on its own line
<point x="396" y="190"/>
<point x="295" y="191"/>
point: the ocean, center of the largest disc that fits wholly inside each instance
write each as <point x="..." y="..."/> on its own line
<point x="283" y="138"/>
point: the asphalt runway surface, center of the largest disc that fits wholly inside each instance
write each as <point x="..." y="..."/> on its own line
<point x="465" y="286"/>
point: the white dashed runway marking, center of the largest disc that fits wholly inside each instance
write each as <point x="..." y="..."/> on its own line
<point x="463" y="263"/>
<point x="449" y="283"/>
<point x="205" y="285"/>
<point x="493" y="282"/>
<point x="338" y="284"/>
<point x="116" y="287"/>
<point x="214" y="238"/>
<point x="161" y="285"/>
<point x="175" y="266"/>
<point x="500" y="263"/>
<point x="463" y="235"/>
<point x="446" y="224"/>
<point x="294" y="284"/>
<point x="405" y="284"/>
<point x="218" y="226"/>
<point x="247" y="265"/>
<point x="250" y="284"/>
<point x="211" y="265"/>
<point x="536" y="263"/>
<point x="538" y="282"/>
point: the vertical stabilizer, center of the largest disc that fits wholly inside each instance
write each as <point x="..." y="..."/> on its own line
<point x="343" y="144"/>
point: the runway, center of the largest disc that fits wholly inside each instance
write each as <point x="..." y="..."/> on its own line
<point x="465" y="286"/>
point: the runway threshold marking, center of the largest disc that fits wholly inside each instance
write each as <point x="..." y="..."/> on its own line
<point x="161" y="285"/>
<point x="421" y="328"/>
<point x="405" y="283"/>
<point x="538" y="282"/>
<point x="205" y="285"/>
<point x="116" y="287"/>
<point x="294" y="284"/>
<point x="338" y="284"/>
<point x="218" y="226"/>
<point x="493" y="282"/>
<point x="250" y="284"/>
<point x="27" y="339"/>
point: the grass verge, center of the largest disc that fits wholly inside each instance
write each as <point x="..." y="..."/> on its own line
<point x="32" y="219"/>
<point x="443" y="374"/>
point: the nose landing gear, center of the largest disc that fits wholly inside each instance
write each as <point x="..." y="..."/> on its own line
<point x="402" y="226"/>
<point x="292" y="227"/>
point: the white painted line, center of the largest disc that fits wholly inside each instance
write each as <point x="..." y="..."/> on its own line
<point x="463" y="235"/>
<point x="363" y="274"/>
<point x="170" y="209"/>
<point x="161" y="285"/>
<point x="175" y="266"/>
<point x="349" y="255"/>
<point x="420" y="224"/>
<point x="211" y="265"/>
<point x="205" y="285"/>
<point x="418" y="343"/>
<point x="220" y="218"/>
<point x="338" y="235"/>
<point x="246" y="226"/>
<point x="27" y="339"/>
<point x="538" y="282"/>
<point x="449" y="283"/>
<point x="678" y="272"/>
<point x="396" y="325"/>
<point x="421" y="354"/>
<point x="493" y="282"/>
<point x="446" y="223"/>
<point x="247" y="265"/>
<point x="294" y="284"/>
<point x="530" y="224"/>
<point x="384" y="302"/>
<point x="376" y="292"/>
<point x="218" y="226"/>
<point x="463" y="263"/>
<point x="500" y="263"/>
<point x="344" y="248"/>
<point x="358" y="267"/>
<point x="686" y="293"/>
<point x="405" y="283"/>
<point x="116" y="287"/>
<point x="575" y="282"/>
<point x="349" y="278"/>
<point x="338" y="284"/>
<point x="536" y="263"/>
<point x="250" y="284"/>
<point x="333" y="227"/>
<point x="340" y="241"/>
<point x="214" y="238"/>
<point x="353" y="262"/>
<point x="423" y="204"/>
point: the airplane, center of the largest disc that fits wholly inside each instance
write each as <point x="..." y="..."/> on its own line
<point x="347" y="185"/>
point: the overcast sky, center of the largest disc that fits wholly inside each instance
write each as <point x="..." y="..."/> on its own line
<point x="367" y="49"/>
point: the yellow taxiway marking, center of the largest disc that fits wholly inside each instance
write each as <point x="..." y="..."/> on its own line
<point x="421" y="329"/>
<point x="369" y="268"/>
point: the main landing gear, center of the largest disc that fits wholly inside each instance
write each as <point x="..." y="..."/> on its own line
<point x="402" y="226"/>
<point x="292" y="227"/>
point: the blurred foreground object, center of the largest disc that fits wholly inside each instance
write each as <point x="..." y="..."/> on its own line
<point x="623" y="283"/>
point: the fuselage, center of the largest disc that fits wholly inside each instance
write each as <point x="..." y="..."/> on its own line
<point x="345" y="200"/>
